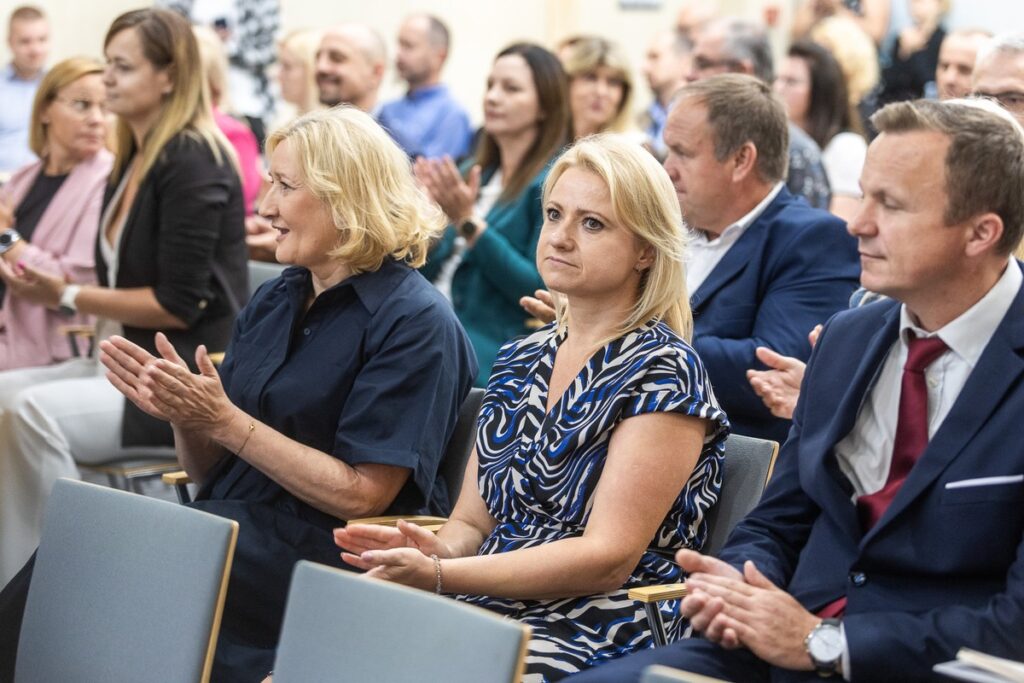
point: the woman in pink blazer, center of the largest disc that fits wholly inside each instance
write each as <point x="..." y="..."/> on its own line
<point x="50" y="209"/>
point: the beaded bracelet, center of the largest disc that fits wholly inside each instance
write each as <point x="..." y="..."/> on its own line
<point x="437" y="572"/>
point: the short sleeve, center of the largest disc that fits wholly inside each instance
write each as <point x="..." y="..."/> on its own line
<point x="404" y="402"/>
<point x="673" y="379"/>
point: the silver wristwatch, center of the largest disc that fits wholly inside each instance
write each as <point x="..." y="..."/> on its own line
<point x="825" y="646"/>
<point x="8" y="238"/>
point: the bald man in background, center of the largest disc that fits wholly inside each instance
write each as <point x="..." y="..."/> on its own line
<point x="350" y="64"/>
<point x="957" y="55"/>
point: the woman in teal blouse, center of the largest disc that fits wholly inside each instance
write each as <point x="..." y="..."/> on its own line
<point x="485" y="261"/>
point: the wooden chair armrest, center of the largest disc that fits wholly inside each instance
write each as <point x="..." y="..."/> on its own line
<point x="77" y="330"/>
<point x="179" y="478"/>
<point x="217" y="358"/>
<point x="428" y="522"/>
<point x="648" y="594"/>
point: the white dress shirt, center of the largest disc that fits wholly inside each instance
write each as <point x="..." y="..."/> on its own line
<point x="704" y="254"/>
<point x="865" y="454"/>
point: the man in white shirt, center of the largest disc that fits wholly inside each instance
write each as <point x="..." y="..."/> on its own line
<point x="891" y="533"/>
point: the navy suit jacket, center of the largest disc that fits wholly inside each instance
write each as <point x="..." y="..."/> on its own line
<point x="793" y="268"/>
<point x="943" y="567"/>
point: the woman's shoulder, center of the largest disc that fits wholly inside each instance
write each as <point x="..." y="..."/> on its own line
<point x="656" y="340"/>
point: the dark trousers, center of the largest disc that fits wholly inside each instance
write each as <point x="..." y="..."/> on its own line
<point x="695" y="656"/>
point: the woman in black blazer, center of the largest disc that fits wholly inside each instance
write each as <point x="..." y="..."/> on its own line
<point x="170" y="257"/>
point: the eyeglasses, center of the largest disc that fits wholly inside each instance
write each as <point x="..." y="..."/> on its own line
<point x="1011" y="99"/>
<point x="82" y="107"/>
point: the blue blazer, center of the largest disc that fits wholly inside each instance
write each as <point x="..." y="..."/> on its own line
<point x="944" y="567"/>
<point x="792" y="269"/>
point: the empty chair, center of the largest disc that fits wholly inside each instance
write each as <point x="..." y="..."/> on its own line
<point x="343" y="626"/>
<point x="125" y="589"/>
<point x="748" y="466"/>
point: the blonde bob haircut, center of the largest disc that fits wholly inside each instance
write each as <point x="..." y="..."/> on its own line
<point x="56" y="79"/>
<point x="351" y="165"/>
<point x="644" y="202"/>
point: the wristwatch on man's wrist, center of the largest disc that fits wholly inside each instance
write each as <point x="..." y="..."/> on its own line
<point x="8" y="238"/>
<point x="825" y="646"/>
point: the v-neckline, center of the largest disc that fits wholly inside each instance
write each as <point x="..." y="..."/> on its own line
<point x="542" y="391"/>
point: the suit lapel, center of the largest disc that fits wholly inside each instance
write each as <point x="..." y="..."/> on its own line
<point x="998" y="369"/>
<point x="832" y="489"/>
<point x="739" y="254"/>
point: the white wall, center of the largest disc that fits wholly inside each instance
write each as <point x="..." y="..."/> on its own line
<point x="480" y="27"/>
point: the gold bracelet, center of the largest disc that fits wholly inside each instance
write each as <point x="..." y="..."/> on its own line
<point x="252" y="428"/>
<point x="437" y="571"/>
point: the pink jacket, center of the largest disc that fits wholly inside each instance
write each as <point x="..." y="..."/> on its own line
<point x="63" y="241"/>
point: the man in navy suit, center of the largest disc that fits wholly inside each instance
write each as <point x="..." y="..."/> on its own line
<point x="764" y="267"/>
<point x="891" y="533"/>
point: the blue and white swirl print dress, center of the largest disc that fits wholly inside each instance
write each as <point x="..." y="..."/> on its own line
<point x="538" y="473"/>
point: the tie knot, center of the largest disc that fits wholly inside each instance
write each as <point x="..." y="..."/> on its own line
<point x="922" y="352"/>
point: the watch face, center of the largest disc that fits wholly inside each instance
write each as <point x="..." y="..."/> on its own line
<point x="826" y="644"/>
<point x="6" y="238"/>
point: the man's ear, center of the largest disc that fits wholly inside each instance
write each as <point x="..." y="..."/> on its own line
<point x="746" y="67"/>
<point x="983" y="233"/>
<point x="744" y="161"/>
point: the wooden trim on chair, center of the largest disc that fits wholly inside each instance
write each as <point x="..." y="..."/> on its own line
<point x="771" y="464"/>
<point x="219" y="608"/>
<point x="524" y="648"/>
<point x="428" y="522"/>
<point x="667" y="591"/>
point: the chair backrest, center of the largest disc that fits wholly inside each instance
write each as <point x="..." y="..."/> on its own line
<point x="343" y="626"/>
<point x="663" y="674"/>
<point x="261" y="271"/>
<point x="748" y="466"/>
<point x="460" y="445"/>
<point x="121" y="583"/>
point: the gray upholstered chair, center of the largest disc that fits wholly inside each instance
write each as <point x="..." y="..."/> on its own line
<point x="663" y="674"/>
<point x="748" y="466"/>
<point x="343" y="626"/>
<point x="120" y="582"/>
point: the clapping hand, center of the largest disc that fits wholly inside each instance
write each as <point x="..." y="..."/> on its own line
<point x="32" y="285"/>
<point x="164" y="387"/>
<point x="400" y="554"/>
<point x="443" y="182"/>
<point x="745" y="609"/>
<point x="541" y="305"/>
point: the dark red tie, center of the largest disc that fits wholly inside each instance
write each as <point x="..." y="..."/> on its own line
<point x="908" y="445"/>
<point x="911" y="427"/>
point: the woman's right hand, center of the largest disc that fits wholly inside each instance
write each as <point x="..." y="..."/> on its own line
<point x="359" y="538"/>
<point x="443" y="182"/>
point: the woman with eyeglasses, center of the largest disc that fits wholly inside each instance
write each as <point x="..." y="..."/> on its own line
<point x="170" y="257"/>
<point x="50" y="209"/>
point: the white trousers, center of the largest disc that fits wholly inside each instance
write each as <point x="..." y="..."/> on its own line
<point x="50" y="418"/>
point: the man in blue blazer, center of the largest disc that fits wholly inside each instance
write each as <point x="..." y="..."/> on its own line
<point x="764" y="267"/>
<point x="891" y="533"/>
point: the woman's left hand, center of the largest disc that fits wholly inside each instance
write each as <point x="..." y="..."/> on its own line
<point x="33" y="285"/>
<point x="406" y="566"/>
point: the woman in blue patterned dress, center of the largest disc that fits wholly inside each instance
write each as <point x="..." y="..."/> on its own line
<point x="599" y="444"/>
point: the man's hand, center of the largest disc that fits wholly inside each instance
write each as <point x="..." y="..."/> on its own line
<point x="751" y="612"/>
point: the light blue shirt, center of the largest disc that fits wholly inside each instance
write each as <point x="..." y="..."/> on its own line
<point x="428" y="122"/>
<point x="16" y="95"/>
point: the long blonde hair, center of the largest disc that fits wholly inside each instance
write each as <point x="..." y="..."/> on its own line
<point x="585" y="55"/>
<point x="645" y="203"/>
<point x="351" y="165"/>
<point x="169" y="45"/>
<point x="303" y="43"/>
